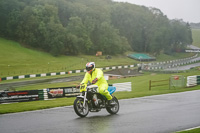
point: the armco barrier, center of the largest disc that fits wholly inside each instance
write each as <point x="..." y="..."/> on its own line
<point x="193" y="80"/>
<point x="170" y="64"/>
<point x="61" y="73"/>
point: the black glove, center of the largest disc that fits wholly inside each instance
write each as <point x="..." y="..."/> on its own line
<point x="94" y="81"/>
<point x="78" y="86"/>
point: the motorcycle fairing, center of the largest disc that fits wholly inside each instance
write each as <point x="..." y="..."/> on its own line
<point x="111" y="89"/>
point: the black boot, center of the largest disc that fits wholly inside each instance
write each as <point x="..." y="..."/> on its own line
<point x="111" y="103"/>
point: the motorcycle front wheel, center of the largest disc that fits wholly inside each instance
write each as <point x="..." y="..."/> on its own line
<point x="115" y="108"/>
<point x="81" y="110"/>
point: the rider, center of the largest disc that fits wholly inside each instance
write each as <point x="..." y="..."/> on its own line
<point x="95" y="76"/>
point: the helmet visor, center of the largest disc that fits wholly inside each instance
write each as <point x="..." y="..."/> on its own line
<point x="89" y="68"/>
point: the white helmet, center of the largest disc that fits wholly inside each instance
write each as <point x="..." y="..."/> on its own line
<point x="90" y="66"/>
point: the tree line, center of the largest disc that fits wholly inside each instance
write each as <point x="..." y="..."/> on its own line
<point x="195" y="25"/>
<point x="70" y="27"/>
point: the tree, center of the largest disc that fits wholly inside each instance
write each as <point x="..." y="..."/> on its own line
<point x="77" y="26"/>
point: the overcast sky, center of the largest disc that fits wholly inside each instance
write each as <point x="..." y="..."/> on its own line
<point x="188" y="10"/>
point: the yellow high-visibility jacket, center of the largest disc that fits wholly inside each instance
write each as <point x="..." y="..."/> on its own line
<point x="97" y="73"/>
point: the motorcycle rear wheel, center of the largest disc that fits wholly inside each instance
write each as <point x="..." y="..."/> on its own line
<point x="79" y="109"/>
<point x="114" y="109"/>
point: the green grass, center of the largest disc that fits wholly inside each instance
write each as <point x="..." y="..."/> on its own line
<point x="197" y="130"/>
<point x="196" y="37"/>
<point x="17" y="60"/>
<point x="34" y="105"/>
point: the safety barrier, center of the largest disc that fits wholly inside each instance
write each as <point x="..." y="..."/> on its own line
<point x="171" y="64"/>
<point x="126" y="86"/>
<point x="193" y="80"/>
<point x="61" y="73"/>
<point x="49" y="93"/>
<point x="33" y="95"/>
<point x="19" y="96"/>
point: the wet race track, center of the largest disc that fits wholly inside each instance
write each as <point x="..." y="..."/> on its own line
<point x="153" y="114"/>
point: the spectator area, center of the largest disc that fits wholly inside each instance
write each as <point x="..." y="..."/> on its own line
<point x="141" y="57"/>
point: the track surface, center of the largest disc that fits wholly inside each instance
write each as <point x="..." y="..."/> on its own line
<point x="153" y="114"/>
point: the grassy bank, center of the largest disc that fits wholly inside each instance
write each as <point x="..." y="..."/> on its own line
<point x="18" y="60"/>
<point x="196" y="37"/>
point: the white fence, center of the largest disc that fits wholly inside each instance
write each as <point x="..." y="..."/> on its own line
<point x="193" y="80"/>
<point x="126" y="86"/>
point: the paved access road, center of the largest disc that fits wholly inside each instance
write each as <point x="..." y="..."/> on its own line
<point x="153" y="114"/>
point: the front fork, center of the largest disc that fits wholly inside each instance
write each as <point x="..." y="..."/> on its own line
<point x="84" y="99"/>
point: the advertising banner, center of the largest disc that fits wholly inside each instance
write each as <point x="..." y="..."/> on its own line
<point x="62" y="92"/>
<point x="55" y="92"/>
<point x="18" y="96"/>
<point x="31" y="95"/>
<point x="71" y="91"/>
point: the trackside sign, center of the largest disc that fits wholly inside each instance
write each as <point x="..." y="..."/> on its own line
<point x="18" y="96"/>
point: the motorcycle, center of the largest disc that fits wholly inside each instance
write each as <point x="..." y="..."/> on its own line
<point x="92" y="101"/>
